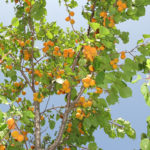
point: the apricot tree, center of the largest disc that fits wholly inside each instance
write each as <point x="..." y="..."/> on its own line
<point x="84" y="66"/>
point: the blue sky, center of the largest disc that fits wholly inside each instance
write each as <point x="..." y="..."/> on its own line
<point x="132" y="109"/>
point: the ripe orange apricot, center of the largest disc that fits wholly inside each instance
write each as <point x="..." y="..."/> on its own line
<point x="22" y="44"/>
<point x="15" y="134"/>
<point x="70" y="124"/>
<point x="116" y="60"/>
<point x="92" y="83"/>
<point x="72" y="21"/>
<point x="119" y="3"/>
<point x="20" y="138"/>
<point x="78" y="115"/>
<point x="120" y="9"/>
<point x="79" y="110"/>
<point x="23" y="92"/>
<point x="91" y="68"/>
<point x="69" y="130"/>
<point x="93" y="20"/>
<point x="115" y="66"/>
<point x="67" y="18"/>
<point x="89" y="103"/>
<point x="36" y="82"/>
<point x="2" y="147"/>
<point x="71" y="13"/>
<point x="11" y="123"/>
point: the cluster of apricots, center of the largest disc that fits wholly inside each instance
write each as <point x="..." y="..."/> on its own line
<point x="68" y="53"/>
<point x="59" y="73"/>
<point x="38" y="73"/>
<point x="89" y="52"/>
<point x="114" y="63"/>
<point x="17" y="136"/>
<point x="87" y="82"/>
<point x="27" y="55"/>
<point x="99" y="90"/>
<point x="37" y="97"/>
<point x="82" y="102"/>
<point x="121" y="6"/>
<point x="56" y="51"/>
<point x="123" y="55"/>
<point x="29" y="71"/>
<point x="111" y="20"/>
<point x="18" y="84"/>
<point x="65" y="88"/>
<point x="47" y="46"/>
<point x="71" y="14"/>
<point x="103" y="14"/>
<point x="11" y="123"/>
<point x="9" y="67"/>
<point x="69" y="127"/>
<point x="31" y="109"/>
<point x="79" y="112"/>
<point x="80" y="128"/>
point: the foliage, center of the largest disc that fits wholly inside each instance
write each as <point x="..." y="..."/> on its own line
<point x="84" y="66"/>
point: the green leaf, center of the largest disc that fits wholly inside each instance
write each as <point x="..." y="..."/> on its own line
<point x="146" y="36"/>
<point x="145" y="144"/>
<point x="125" y="92"/>
<point x="137" y="79"/>
<point x="51" y="124"/>
<point x="104" y="31"/>
<point x="100" y="78"/>
<point x="3" y="100"/>
<point x="145" y="92"/>
<point x="1" y="116"/>
<point x="3" y="126"/>
<point x="28" y="114"/>
<point x="148" y="63"/>
<point x="49" y="35"/>
<point x="94" y="26"/>
<point x="15" y="22"/>
<point x="92" y="146"/>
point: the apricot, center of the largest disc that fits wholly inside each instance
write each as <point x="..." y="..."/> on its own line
<point x="11" y="123"/>
<point x="115" y="66"/>
<point x="20" y="138"/>
<point x="36" y="83"/>
<point x="15" y="134"/>
<point x="78" y="115"/>
<point x="23" y="92"/>
<point x="19" y="99"/>
<point x="67" y="18"/>
<point x="71" y="13"/>
<point x="2" y="147"/>
<point x="72" y="21"/>
<point x="79" y="110"/>
<point x="91" y="68"/>
<point x="70" y="124"/>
